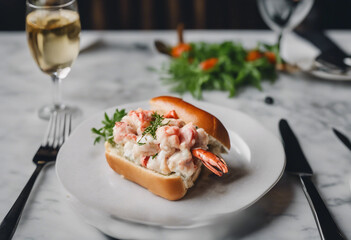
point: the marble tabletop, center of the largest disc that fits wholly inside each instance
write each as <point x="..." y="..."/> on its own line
<point x="115" y="71"/>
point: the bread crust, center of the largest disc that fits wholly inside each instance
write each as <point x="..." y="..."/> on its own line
<point x="189" y="113"/>
<point x="171" y="187"/>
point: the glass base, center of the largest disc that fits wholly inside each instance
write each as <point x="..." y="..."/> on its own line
<point x="46" y="111"/>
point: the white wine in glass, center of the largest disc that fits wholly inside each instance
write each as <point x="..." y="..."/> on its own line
<point x="53" y="34"/>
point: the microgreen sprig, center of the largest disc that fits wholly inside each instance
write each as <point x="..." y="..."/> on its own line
<point x="106" y="132"/>
<point x="155" y="123"/>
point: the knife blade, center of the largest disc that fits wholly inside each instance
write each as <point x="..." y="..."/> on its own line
<point x="296" y="163"/>
<point x="342" y="138"/>
<point x="331" y="56"/>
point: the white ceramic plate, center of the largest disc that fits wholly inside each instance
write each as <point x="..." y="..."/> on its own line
<point x="331" y="76"/>
<point x="256" y="162"/>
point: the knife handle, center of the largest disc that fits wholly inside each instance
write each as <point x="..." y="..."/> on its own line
<point x="325" y="223"/>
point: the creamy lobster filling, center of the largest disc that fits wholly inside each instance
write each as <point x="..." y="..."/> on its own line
<point x="160" y="143"/>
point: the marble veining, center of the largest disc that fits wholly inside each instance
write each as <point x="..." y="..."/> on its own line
<point x="115" y="72"/>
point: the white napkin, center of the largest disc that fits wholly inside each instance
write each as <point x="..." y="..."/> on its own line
<point x="296" y="50"/>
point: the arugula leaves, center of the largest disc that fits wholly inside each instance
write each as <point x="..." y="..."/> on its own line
<point x="231" y="72"/>
<point x="106" y="132"/>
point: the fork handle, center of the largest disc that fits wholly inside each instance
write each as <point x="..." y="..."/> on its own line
<point x="10" y="222"/>
<point x="325" y="223"/>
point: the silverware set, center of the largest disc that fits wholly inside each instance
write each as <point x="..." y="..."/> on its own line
<point x="57" y="132"/>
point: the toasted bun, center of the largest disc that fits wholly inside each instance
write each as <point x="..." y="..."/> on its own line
<point x="189" y="113"/>
<point x="171" y="187"/>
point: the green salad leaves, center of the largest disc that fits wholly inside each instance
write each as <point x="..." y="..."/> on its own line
<point x="225" y="66"/>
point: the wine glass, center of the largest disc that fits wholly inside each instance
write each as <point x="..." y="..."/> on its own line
<point x="53" y="34"/>
<point x="283" y="15"/>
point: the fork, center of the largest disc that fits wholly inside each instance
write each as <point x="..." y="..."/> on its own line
<point x="57" y="132"/>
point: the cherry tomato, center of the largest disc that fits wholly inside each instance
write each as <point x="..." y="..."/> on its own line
<point x="208" y="64"/>
<point x="179" y="49"/>
<point x="270" y="56"/>
<point x="253" y="55"/>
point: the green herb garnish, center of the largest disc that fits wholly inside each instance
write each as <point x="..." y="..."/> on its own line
<point x="155" y="123"/>
<point x="153" y="157"/>
<point x="106" y="132"/>
<point x="231" y="71"/>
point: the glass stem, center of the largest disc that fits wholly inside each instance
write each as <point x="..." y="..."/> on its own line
<point x="57" y="98"/>
<point x="280" y="35"/>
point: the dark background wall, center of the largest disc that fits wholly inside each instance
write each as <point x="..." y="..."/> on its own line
<point x="165" y="14"/>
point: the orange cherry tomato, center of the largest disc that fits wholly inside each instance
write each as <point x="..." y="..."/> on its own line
<point x="208" y="64"/>
<point x="253" y="55"/>
<point x="179" y="49"/>
<point x="270" y="56"/>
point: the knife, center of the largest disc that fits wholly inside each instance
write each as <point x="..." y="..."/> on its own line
<point x="342" y="138"/>
<point x="332" y="56"/>
<point x="296" y="163"/>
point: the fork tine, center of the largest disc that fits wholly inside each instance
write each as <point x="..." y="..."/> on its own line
<point x="55" y="132"/>
<point x="66" y="129"/>
<point x="69" y="126"/>
<point x="63" y="133"/>
<point x="58" y="130"/>
<point x="49" y="131"/>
